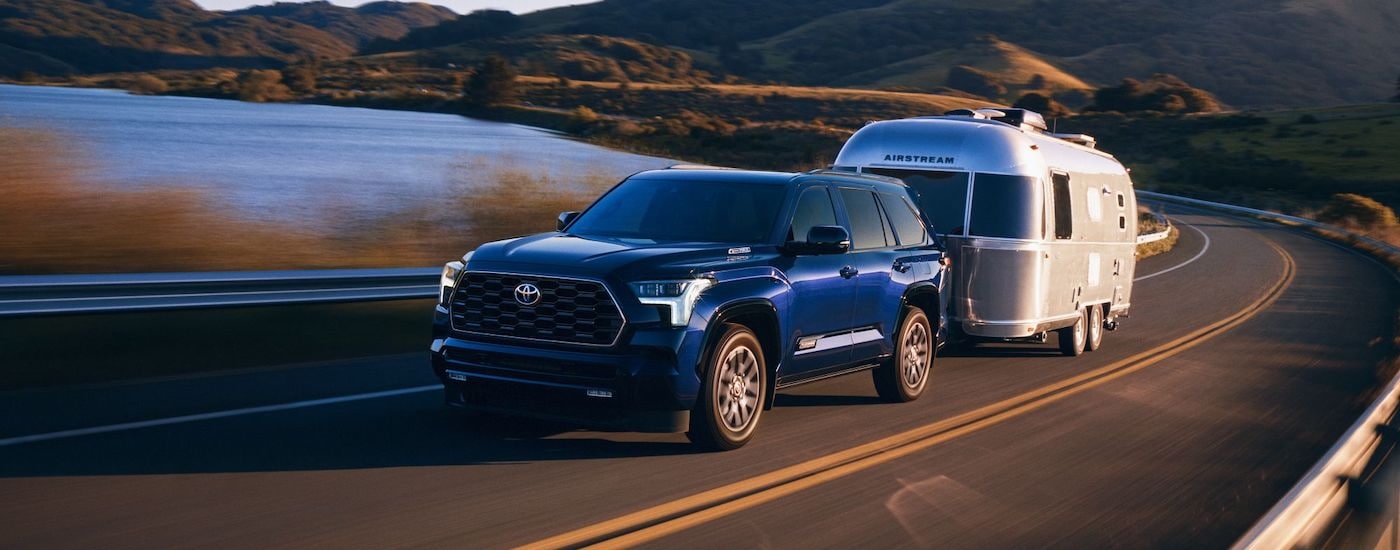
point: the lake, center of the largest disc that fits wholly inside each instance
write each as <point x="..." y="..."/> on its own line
<point x="297" y="163"/>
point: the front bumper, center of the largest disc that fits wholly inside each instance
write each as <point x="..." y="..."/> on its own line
<point x="638" y="386"/>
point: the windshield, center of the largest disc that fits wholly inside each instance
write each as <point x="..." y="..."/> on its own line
<point x="684" y="210"/>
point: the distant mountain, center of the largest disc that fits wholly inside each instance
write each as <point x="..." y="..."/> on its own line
<point x="575" y="57"/>
<point x="1250" y="53"/>
<point x="357" y="26"/>
<point x="65" y="36"/>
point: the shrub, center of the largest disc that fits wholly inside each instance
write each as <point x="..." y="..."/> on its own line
<point x="260" y="86"/>
<point x="147" y="85"/>
<point x="1357" y="211"/>
<point x="300" y="79"/>
<point x="1041" y="104"/>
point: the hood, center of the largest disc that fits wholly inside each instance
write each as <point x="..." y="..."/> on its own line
<point x="617" y="259"/>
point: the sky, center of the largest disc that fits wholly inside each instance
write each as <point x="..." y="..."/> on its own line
<point x="459" y="6"/>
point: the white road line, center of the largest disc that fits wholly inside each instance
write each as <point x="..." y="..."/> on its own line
<point x="211" y="415"/>
<point x="1185" y="263"/>
<point x="216" y="294"/>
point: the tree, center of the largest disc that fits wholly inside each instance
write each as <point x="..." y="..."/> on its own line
<point x="300" y="79"/>
<point x="493" y="83"/>
<point x="1041" y="104"/>
<point x="262" y="85"/>
<point x="1396" y="99"/>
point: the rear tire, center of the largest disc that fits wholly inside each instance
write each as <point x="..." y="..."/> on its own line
<point x="1094" y="338"/>
<point x="731" y="393"/>
<point x="904" y="376"/>
<point x="1072" y="337"/>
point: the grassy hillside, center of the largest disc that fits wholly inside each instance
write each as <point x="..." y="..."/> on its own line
<point x="1016" y="68"/>
<point x="86" y="36"/>
<point x="1288" y="160"/>
<point x="358" y="26"/>
<point x="1251" y="53"/>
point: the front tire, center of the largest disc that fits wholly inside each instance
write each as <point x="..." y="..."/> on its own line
<point x="1072" y="337"/>
<point x="731" y="396"/>
<point x="905" y="375"/>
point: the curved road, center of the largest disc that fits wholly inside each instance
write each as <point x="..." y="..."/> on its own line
<point x="1251" y="349"/>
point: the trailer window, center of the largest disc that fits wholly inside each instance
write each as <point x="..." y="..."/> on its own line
<point x="1006" y="206"/>
<point x="942" y="196"/>
<point x="1064" y="216"/>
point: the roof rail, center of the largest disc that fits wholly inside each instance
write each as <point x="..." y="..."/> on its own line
<point x="684" y="166"/>
<point x="831" y="170"/>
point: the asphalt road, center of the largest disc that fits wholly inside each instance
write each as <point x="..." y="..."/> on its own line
<point x="1251" y="348"/>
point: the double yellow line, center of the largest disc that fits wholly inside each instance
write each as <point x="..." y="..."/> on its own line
<point x="676" y="516"/>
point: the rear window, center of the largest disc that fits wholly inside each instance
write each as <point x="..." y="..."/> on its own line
<point x="942" y="195"/>
<point x="1006" y="206"/>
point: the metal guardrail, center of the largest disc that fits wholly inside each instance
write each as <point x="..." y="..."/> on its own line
<point x="69" y="294"/>
<point x="1311" y="510"/>
<point x="1160" y="235"/>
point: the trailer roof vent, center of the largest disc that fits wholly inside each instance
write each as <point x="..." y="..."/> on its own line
<point x="1020" y="118"/>
<point x="1082" y="139"/>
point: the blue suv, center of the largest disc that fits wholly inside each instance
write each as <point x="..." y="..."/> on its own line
<point x="682" y="299"/>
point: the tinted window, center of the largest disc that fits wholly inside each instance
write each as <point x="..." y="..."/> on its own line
<point x="907" y="225"/>
<point x="942" y="195"/>
<point x="1006" y="206"/>
<point x="673" y="210"/>
<point x="813" y="208"/>
<point x="1064" y="214"/>
<point x="867" y="229"/>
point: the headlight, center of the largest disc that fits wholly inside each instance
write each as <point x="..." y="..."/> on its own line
<point x="449" y="278"/>
<point x="679" y="296"/>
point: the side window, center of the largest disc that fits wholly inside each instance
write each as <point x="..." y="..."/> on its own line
<point x="813" y="208"/>
<point x="907" y="225"/>
<point x="867" y="229"/>
<point x="1064" y="216"/>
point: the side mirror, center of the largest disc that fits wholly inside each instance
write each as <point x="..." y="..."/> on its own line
<point x="564" y="219"/>
<point x="827" y="239"/>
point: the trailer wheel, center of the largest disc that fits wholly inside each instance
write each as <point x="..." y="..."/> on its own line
<point x="1072" y="337"/>
<point x="731" y="398"/>
<point x="1094" y="340"/>
<point x="904" y="376"/>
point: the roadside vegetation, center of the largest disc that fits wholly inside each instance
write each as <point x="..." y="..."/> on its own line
<point x="1150" y="222"/>
<point x="58" y="217"/>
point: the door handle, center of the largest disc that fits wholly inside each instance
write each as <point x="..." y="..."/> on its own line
<point x="848" y="272"/>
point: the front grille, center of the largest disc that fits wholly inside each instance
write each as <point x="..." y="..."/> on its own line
<point x="570" y="311"/>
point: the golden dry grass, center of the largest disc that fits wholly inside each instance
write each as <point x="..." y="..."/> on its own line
<point x="52" y="222"/>
<point x="54" y="219"/>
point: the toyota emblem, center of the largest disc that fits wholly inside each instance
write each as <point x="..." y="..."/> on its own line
<point x="527" y="294"/>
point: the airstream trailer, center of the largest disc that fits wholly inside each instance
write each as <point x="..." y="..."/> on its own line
<point x="1041" y="227"/>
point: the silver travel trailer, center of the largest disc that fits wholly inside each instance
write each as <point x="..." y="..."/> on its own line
<point x="1041" y="227"/>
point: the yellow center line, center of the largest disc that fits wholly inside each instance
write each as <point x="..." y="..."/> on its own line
<point x="662" y="520"/>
